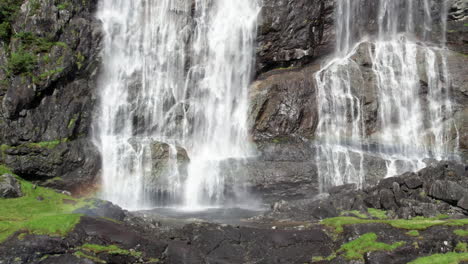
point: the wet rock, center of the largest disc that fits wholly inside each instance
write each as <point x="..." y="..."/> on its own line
<point x="9" y="187"/>
<point x="283" y="104"/>
<point x="104" y="209"/>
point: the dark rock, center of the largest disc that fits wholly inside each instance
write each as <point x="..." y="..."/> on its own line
<point x="102" y="208"/>
<point x="9" y="187"/>
<point x="387" y="199"/>
<point x="448" y="191"/>
<point x="413" y="181"/>
<point x="59" y="105"/>
<point x="463" y="202"/>
<point x="283" y="104"/>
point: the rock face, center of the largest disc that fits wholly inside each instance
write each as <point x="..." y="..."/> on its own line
<point x="9" y="187"/>
<point x="47" y="91"/>
<point x="292" y="33"/>
<point x="437" y="189"/>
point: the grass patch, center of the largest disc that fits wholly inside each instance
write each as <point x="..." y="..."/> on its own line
<point x="355" y="213"/>
<point x="413" y="233"/>
<point x="448" y="258"/>
<point x="417" y="223"/>
<point x="356" y="249"/>
<point x="112" y="249"/>
<point x="376" y="213"/>
<point x="461" y="247"/>
<point x="45" y="216"/>
<point x="460" y="232"/>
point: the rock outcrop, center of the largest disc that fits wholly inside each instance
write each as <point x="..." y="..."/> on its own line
<point x="50" y="52"/>
<point x="9" y="187"/>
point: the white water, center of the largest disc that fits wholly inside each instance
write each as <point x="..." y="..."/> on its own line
<point x="177" y="77"/>
<point x="410" y="128"/>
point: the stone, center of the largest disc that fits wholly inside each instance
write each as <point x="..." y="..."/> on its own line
<point x="413" y="181"/>
<point x="463" y="202"/>
<point x="9" y="187"/>
<point x="448" y="191"/>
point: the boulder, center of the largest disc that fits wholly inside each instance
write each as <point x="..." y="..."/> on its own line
<point x="9" y="187"/>
<point x="448" y="191"/>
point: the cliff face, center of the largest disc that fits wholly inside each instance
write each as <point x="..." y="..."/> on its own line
<point x="50" y="50"/>
<point x="49" y="53"/>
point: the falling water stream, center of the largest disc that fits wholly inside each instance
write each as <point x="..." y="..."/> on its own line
<point x="176" y="72"/>
<point x="412" y="125"/>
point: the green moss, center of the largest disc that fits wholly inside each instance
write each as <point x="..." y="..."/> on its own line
<point x="460" y="232"/>
<point x="112" y="249"/>
<point x="5" y="31"/>
<point x="355" y="249"/>
<point x="376" y="213"/>
<point x="461" y="247"/>
<point x="329" y="258"/>
<point x="46" y="75"/>
<point x="414" y="233"/>
<point x="355" y="213"/>
<point x="153" y="260"/>
<point x="79" y="60"/>
<point x="72" y="121"/>
<point x="83" y="255"/>
<point x="46" y="216"/>
<point x="448" y="258"/>
<point x="46" y="144"/>
<point x="419" y="223"/>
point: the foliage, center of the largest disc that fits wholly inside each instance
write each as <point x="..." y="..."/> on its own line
<point x="21" y="62"/>
<point x="448" y="258"/>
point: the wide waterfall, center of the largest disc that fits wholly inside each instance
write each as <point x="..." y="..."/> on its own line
<point x="405" y="53"/>
<point x="175" y="79"/>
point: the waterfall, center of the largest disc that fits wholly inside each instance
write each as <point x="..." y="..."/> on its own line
<point x="411" y="91"/>
<point x="175" y="72"/>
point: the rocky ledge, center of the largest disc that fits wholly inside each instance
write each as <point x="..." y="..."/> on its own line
<point x="418" y="218"/>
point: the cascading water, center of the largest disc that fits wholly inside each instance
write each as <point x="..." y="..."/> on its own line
<point x="175" y="73"/>
<point x="412" y="125"/>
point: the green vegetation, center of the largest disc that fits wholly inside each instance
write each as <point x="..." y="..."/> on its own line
<point x="21" y="62"/>
<point x="376" y="213"/>
<point x="417" y="223"/>
<point x="48" y="215"/>
<point x="448" y="258"/>
<point x="112" y="249"/>
<point x="83" y="255"/>
<point x="44" y="144"/>
<point x="72" y="121"/>
<point x="79" y="60"/>
<point x="355" y="213"/>
<point x="461" y="247"/>
<point x="460" y="232"/>
<point x="356" y="249"/>
<point x="414" y="233"/>
<point x="8" y="11"/>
